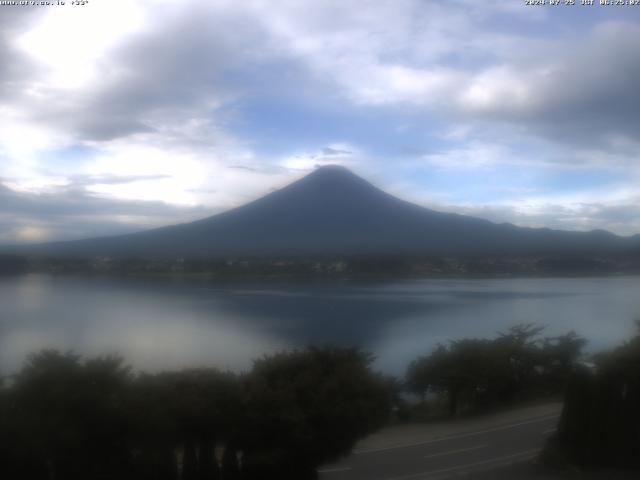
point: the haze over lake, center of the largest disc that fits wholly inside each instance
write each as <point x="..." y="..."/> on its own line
<point x="171" y="323"/>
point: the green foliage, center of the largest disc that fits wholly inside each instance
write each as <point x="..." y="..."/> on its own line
<point x="600" y="424"/>
<point x="68" y="417"/>
<point x="475" y="373"/>
<point x="314" y="404"/>
<point x="65" y="417"/>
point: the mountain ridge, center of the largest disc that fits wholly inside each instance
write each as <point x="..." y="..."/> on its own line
<point x="333" y="211"/>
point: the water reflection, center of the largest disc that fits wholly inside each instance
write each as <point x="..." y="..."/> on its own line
<point x="165" y="323"/>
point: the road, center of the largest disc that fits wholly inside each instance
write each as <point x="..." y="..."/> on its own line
<point x="465" y="454"/>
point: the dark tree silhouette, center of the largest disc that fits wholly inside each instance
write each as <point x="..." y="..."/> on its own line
<point x="190" y="411"/>
<point x="600" y="423"/>
<point x="67" y="418"/>
<point x="310" y="407"/>
<point x="230" y="466"/>
<point x="12" y="264"/>
<point x="481" y="373"/>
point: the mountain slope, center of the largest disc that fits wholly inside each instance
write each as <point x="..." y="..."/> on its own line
<point x="333" y="211"/>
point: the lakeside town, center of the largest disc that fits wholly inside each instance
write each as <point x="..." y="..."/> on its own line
<point x="326" y="266"/>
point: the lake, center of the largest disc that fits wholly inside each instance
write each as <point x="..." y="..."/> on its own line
<point x="165" y="323"/>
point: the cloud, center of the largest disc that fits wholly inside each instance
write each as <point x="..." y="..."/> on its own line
<point x="242" y="167"/>
<point x="621" y="218"/>
<point x="73" y="212"/>
<point x="476" y="154"/>
<point x="161" y="99"/>
<point x="582" y="95"/>
<point x="577" y="89"/>
<point x="405" y="54"/>
<point x="329" y="151"/>
<point x="109" y="179"/>
<point x="336" y="153"/>
<point x="14" y="65"/>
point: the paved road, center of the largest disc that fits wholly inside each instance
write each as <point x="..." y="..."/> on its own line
<point x="460" y="454"/>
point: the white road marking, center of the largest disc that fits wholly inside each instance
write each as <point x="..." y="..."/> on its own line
<point x="550" y="430"/>
<point x="504" y="460"/>
<point x="334" y="470"/>
<point x="457" y="436"/>
<point x="460" y="450"/>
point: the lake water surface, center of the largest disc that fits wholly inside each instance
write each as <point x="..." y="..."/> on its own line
<point x="170" y="323"/>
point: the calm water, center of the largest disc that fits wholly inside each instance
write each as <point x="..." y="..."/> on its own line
<point x="164" y="323"/>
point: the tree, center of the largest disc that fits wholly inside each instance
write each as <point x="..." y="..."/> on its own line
<point x="600" y="423"/>
<point x="475" y="373"/>
<point x="70" y="416"/>
<point x="191" y="411"/>
<point x="559" y="357"/>
<point x="306" y="408"/>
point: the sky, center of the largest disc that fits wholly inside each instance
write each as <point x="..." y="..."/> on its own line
<point x="122" y="115"/>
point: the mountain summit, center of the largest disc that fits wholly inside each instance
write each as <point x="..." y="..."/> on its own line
<point x="332" y="211"/>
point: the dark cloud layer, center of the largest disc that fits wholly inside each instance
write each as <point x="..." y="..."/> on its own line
<point x="72" y="212"/>
<point x="169" y="74"/>
<point x="15" y="67"/>
<point x="107" y="179"/>
<point x="584" y="94"/>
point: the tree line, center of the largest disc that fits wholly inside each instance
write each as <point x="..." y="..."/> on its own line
<point x="13" y="264"/>
<point x="322" y="265"/>
<point x="64" y="417"/>
<point x="472" y="374"/>
<point x="600" y="422"/>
